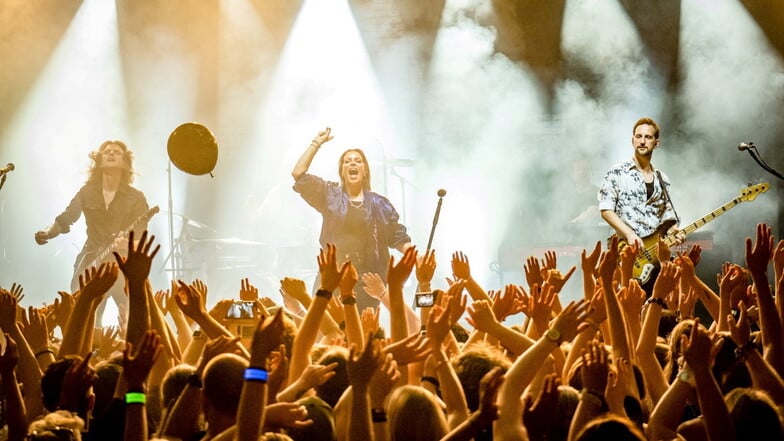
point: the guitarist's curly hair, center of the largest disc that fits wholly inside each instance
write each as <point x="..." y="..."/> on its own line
<point x="94" y="173"/>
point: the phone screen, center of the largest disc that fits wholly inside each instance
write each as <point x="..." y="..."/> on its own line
<point x="240" y="310"/>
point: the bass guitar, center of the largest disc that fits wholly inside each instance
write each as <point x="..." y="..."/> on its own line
<point x="99" y="255"/>
<point x="647" y="261"/>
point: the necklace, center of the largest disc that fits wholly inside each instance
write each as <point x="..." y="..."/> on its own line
<point x="356" y="204"/>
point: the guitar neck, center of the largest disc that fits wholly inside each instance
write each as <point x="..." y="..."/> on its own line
<point x="699" y="223"/>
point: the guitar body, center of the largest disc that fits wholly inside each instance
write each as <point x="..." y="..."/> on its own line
<point x="647" y="260"/>
<point x="104" y="252"/>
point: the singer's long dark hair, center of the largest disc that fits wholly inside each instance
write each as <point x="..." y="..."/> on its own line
<point x="95" y="172"/>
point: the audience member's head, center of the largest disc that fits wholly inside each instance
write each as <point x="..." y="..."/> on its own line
<point x="331" y="390"/>
<point x="59" y="425"/>
<point x="472" y="364"/>
<point x="52" y="385"/>
<point x="415" y="415"/>
<point x="610" y="427"/>
<point x="323" y="427"/>
<point x="223" y="379"/>
<point x="754" y="415"/>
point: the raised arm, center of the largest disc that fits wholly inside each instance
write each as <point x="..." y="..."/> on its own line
<point x="136" y="268"/>
<point x="757" y="260"/>
<point x="303" y="163"/>
<point x="250" y="412"/>
<point x="308" y="330"/>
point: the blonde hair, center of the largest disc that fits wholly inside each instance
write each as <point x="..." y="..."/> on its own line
<point x="413" y="403"/>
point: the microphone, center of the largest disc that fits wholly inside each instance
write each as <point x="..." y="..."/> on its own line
<point x="441" y="193"/>
<point x="7" y="169"/>
<point x="743" y="146"/>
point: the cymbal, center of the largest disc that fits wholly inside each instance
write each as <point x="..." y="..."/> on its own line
<point x="230" y="241"/>
<point x="192" y="222"/>
<point x="395" y="162"/>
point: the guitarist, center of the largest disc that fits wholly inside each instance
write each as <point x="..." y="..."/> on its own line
<point x="109" y="204"/>
<point x="632" y="198"/>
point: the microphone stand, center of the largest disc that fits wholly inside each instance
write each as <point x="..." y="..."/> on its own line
<point x="752" y="149"/>
<point x="441" y="194"/>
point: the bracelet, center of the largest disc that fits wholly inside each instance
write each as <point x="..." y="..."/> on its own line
<point x="431" y="380"/>
<point x="324" y="293"/>
<point x="256" y="374"/>
<point x="378" y="415"/>
<point x="655" y="301"/>
<point x="45" y="351"/>
<point x="194" y="380"/>
<point x="317" y="144"/>
<point x="350" y="300"/>
<point x="593" y="396"/>
<point x="741" y="351"/>
<point x="135" y="398"/>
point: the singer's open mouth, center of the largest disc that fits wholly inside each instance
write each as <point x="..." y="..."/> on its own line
<point x="353" y="172"/>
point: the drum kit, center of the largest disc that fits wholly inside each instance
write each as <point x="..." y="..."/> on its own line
<point x="194" y="253"/>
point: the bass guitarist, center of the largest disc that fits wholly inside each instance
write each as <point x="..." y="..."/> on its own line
<point x="634" y="198"/>
<point x="110" y="205"/>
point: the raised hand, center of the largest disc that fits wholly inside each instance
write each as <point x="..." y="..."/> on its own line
<point x="266" y="338"/>
<point x="79" y="378"/>
<point x="558" y="280"/>
<point x="317" y="374"/>
<point x="426" y="268"/>
<point x="62" y="308"/>
<point x="323" y="136"/>
<point x="540" y="415"/>
<point x="189" y="301"/>
<point x="699" y="349"/>
<point x="758" y="255"/>
<point x="663" y="253"/>
<point x="137" y="367"/>
<point x="740" y="330"/>
<point x="461" y="269"/>
<point x="595" y="367"/>
<point x="100" y="281"/>
<point x="374" y="285"/>
<point x="481" y="316"/>
<point x="136" y="267"/>
<point x="369" y="320"/>
<point x="348" y="281"/>
<point x="9" y="358"/>
<point x="409" y="350"/>
<point x="533" y="272"/>
<point x="589" y="262"/>
<point x="7" y="310"/>
<point x="488" y="392"/>
<point x="667" y="280"/>
<point x="694" y="254"/>
<point x="571" y="320"/>
<point x="550" y="260"/>
<point x="383" y="381"/>
<point x="397" y="274"/>
<point x="35" y="330"/>
<point x="361" y="366"/>
<point x="16" y="291"/>
<point x="107" y="341"/>
<point x="608" y="261"/>
<point x="328" y="268"/>
<point x="248" y="292"/>
<point x="437" y="326"/>
<point x="504" y="303"/>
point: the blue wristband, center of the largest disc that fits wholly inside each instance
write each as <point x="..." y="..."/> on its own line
<point x="256" y="374"/>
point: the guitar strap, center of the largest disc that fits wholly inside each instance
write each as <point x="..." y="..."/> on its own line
<point x="667" y="196"/>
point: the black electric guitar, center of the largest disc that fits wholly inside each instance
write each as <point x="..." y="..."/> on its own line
<point x="99" y="255"/>
<point x="646" y="261"/>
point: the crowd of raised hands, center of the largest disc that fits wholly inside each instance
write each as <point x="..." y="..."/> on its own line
<point x="680" y="362"/>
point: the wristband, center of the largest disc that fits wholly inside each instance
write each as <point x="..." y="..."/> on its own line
<point x="655" y="301"/>
<point x="256" y="374"/>
<point x="431" y="380"/>
<point x="741" y="351"/>
<point x="378" y="415"/>
<point x="324" y="293"/>
<point x="350" y="300"/>
<point x="135" y="398"/>
<point x="342" y="325"/>
<point x="45" y="351"/>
